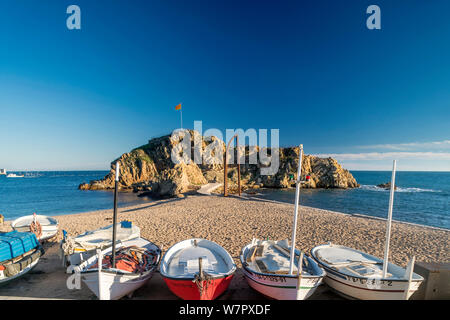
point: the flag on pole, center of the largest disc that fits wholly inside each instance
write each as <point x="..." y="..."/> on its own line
<point x="178" y="107"/>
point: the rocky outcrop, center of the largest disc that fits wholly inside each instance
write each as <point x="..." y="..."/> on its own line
<point x="386" y="186"/>
<point x="150" y="170"/>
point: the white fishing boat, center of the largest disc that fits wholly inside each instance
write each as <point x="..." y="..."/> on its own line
<point x="77" y="249"/>
<point x="122" y="268"/>
<point x="357" y="275"/>
<point x="269" y="266"/>
<point x="266" y="268"/>
<point x="13" y="175"/>
<point x="109" y="283"/>
<point x="43" y="226"/>
<point x="197" y="269"/>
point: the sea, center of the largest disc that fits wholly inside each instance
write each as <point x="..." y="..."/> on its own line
<point x="421" y="197"/>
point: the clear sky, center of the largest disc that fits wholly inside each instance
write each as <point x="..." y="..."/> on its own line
<point x="78" y="99"/>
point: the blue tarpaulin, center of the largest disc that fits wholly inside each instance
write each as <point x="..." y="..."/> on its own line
<point x="14" y="244"/>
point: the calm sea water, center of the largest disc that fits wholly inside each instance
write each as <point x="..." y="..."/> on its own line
<point x="422" y="197"/>
<point x="56" y="193"/>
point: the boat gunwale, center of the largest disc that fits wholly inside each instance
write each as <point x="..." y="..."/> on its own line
<point x="53" y="222"/>
<point x="327" y="266"/>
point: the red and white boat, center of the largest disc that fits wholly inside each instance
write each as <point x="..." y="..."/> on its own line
<point x="197" y="269"/>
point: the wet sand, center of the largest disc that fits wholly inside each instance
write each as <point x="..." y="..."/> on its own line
<point x="232" y="222"/>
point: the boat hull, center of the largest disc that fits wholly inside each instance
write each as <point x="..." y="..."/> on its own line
<point x="280" y="287"/>
<point x="37" y="253"/>
<point x="20" y="274"/>
<point x="187" y="289"/>
<point x="181" y="280"/>
<point x="49" y="226"/>
<point x="369" y="289"/>
<point x="352" y="286"/>
<point x="114" y="286"/>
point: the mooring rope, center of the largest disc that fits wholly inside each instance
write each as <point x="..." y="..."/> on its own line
<point x="202" y="280"/>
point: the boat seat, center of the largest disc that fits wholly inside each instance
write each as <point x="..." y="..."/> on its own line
<point x="365" y="270"/>
<point x="188" y="260"/>
<point x="262" y="266"/>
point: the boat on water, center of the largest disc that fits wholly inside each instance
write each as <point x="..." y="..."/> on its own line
<point x="13" y="175"/>
<point x="135" y="263"/>
<point x="77" y="249"/>
<point x="2" y="172"/>
<point x="355" y="274"/>
<point x="197" y="269"/>
<point x="44" y="227"/>
<point x="19" y="253"/>
<point x="270" y="267"/>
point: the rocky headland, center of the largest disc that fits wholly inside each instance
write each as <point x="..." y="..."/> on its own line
<point x="149" y="169"/>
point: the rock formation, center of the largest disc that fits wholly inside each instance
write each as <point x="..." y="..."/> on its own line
<point x="386" y="186"/>
<point x="149" y="169"/>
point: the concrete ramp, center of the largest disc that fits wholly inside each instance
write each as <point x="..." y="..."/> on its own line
<point x="209" y="187"/>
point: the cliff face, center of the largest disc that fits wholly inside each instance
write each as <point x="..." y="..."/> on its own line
<point x="150" y="169"/>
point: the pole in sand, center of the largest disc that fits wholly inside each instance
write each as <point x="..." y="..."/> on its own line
<point x="116" y="186"/>
<point x="297" y="196"/>
<point x="389" y="221"/>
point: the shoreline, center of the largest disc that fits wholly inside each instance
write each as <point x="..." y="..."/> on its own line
<point x="249" y="196"/>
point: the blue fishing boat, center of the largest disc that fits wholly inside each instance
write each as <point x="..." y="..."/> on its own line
<point x="19" y="253"/>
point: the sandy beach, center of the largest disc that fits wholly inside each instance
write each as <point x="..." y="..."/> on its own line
<point x="232" y="222"/>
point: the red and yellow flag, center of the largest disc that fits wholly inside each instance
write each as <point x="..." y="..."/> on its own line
<point x="178" y="107"/>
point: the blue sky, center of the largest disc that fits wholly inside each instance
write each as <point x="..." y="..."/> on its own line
<point x="77" y="99"/>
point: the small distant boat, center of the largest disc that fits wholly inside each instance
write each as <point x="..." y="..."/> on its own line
<point x="19" y="253"/>
<point x="197" y="269"/>
<point x="43" y="226"/>
<point x="78" y="249"/>
<point x="2" y="172"/>
<point x="357" y="275"/>
<point x="13" y="175"/>
<point x="136" y="261"/>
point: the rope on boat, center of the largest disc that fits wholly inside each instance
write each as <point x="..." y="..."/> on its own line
<point x="36" y="228"/>
<point x="68" y="245"/>
<point x="202" y="279"/>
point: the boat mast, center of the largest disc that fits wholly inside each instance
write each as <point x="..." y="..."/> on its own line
<point x="297" y="198"/>
<point x="389" y="221"/>
<point x="116" y="185"/>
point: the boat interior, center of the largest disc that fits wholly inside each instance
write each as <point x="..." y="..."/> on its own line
<point x="268" y="256"/>
<point x="185" y="262"/>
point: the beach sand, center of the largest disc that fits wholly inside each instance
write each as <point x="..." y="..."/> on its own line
<point x="231" y="222"/>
